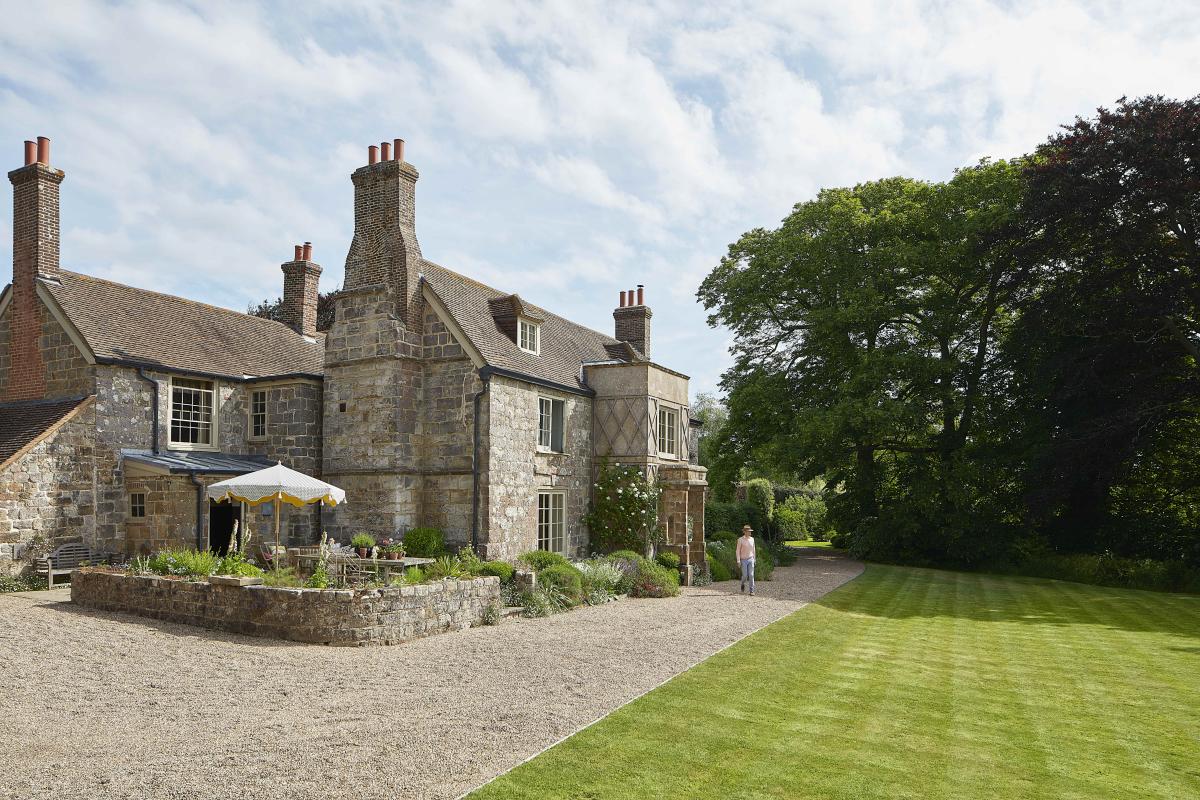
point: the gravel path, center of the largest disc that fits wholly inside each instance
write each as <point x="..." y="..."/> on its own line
<point x="100" y="705"/>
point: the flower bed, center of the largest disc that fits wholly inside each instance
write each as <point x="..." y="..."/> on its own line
<point x="321" y="616"/>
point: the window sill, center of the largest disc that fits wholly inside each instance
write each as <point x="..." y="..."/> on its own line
<point x="193" y="448"/>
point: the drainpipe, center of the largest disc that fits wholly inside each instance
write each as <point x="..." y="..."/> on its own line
<point x="486" y="378"/>
<point x="199" y="484"/>
<point x="141" y="373"/>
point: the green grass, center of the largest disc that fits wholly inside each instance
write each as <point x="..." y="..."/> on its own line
<point x="915" y="683"/>
<point x="806" y="543"/>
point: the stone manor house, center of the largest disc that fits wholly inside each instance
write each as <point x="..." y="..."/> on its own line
<point x="433" y="400"/>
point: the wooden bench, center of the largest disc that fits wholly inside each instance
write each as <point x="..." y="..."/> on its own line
<point x="65" y="560"/>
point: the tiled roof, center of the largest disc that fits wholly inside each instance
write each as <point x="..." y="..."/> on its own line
<point x="564" y="345"/>
<point x="127" y="324"/>
<point x="22" y="423"/>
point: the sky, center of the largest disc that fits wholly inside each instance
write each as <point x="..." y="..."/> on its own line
<point x="567" y="150"/>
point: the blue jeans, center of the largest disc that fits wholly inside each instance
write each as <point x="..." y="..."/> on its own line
<point x="748" y="572"/>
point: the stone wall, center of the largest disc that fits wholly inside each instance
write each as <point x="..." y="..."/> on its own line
<point x="516" y="471"/>
<point x="50" y="490"/>
<point x="338" y="617"/>
<point x="61" y="369"/>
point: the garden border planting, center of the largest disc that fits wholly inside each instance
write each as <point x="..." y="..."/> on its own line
<point x="388" y="615"/>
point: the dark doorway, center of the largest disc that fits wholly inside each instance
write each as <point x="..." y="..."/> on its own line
<point x="221" y="517"/>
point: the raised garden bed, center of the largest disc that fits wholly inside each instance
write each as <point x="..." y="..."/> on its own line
<point x="320" y="616"/>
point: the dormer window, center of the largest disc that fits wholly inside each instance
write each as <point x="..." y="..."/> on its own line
<point x="529" y="336"/>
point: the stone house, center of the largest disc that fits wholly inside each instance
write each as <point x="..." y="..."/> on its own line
<point x="433" y="400"/>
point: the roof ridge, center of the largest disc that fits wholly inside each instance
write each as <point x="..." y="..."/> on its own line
<point x="199" y="303"/>
<point x="560" y="317"/>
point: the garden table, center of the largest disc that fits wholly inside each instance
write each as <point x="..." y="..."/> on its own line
<point x="341" y="563"/>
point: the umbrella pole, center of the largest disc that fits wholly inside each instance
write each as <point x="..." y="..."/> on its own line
<point x="275" y="555"/>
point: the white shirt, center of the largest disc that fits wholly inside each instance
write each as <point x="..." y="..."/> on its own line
<point x="745" y="547"/>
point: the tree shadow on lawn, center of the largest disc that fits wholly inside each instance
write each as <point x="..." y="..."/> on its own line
<point x="178" y="630"/>
<point x="914" y="592"/>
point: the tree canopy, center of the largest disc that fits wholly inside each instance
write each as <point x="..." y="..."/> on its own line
<point x="1006" y="354"/>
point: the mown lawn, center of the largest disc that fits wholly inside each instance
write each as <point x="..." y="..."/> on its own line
<point x="915" y="683"/>
<point x="806" y="543"/>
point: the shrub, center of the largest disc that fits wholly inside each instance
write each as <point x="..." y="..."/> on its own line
<point x="628" y="563"/>
<point x="283" y="578"/>
<point x="538" y="560"/>
<point x="624" y="509"/>
<point x="601" y="580"/>
<point x="446" y="567"/>
<point x="566" y="578"/>
<point x="668" y="559"/>
<point x="193" y="563"/>
<point x="717" y="569"/>
<point x="544" y="601"/>
<point x="791" y="524"/>
<point x="654" y="580"/>
<point x="362" y="541"/>
<point x="500" y="569"/>
<point x="491" y="614"/>
<point x="414" y="575"/>
<point x="236" y="564"/>
<point x="470" y="560"/>
<point x="425" y="543"/>
<point x="722" y="536"/>
<point x="839" y="540"/>
<point x="320" y="577"/>
<point x="21" y="583"/>
<point x="626" y="555"/>
<point x="760" y="495"/>
<point x="732" y="516"/>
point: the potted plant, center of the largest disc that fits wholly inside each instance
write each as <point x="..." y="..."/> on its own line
<point x="362" y="542"/>
<point x="395" y="551"/>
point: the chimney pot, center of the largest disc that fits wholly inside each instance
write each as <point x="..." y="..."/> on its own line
<point x="43" y="150"/>
<point x="30" y="152"/>
<point x="639" y="302"/>
<point x="399" y="147"/>
<point x="299" y="253"/>
<point x="622" y="298"/>
<point x="385" y="151"/>
<point x="372" y="154"/>
<point x="307" y="251"/>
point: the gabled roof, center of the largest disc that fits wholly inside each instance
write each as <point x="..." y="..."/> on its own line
<point x="564" y="344"/>
<point x="124" y="324"/>
<point x="22" y="425"/>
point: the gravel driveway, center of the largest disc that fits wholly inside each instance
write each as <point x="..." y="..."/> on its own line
<point x="102" y="705"/>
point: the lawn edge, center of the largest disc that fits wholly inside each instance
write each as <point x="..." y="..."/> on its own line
<point x="661" y="684"/>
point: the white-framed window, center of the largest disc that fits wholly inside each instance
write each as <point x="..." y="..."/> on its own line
<point x="550" y="424"/>
<point x="552" y="521"/>
<point x="137" y="505"/>
<point x="668" y="432"/>
<point x="529" y="336"/>
<point x="258" y="414"/>
<point x="193" y="414"/>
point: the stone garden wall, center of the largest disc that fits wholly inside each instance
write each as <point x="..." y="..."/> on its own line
<point x="318" y="616"/>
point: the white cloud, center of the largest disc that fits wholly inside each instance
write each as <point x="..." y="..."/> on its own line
<point x="568" y="149"/>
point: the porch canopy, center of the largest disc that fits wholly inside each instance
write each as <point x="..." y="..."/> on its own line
<point x="277" y="484"/>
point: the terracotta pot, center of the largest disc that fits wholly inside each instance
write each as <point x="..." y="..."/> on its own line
<point x="394" y="556"/>
<point x="363" y="552"/>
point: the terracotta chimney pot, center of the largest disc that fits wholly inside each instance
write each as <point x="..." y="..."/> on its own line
<point x="299" y="253"/>
<point x="307" y="251"/>
<point x="373" y="154"/>
<point x="43" y="150"/>
<point x="639" y="302"/>
<point x="622" y="298"/>
<point x="399" y="147"/>
<point x="30" y="152"/>
<point x="385" y="151"/>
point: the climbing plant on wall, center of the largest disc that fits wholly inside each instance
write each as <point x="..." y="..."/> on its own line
<point x="624" y="510"/>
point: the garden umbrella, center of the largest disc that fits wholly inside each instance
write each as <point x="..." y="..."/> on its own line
<point x="278" y="484"/>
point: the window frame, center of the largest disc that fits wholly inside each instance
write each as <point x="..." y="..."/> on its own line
<point x="554" y="520"/>
<point x="250" y="434"/>
<point x="536" y="329"/>
<point x="214" y="415"/>
<point x="668" y="447"/>
<point x="137" y="500"/>
<point x="546" y="442"/>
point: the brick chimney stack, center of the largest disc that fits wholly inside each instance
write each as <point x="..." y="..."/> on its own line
<point x="300" y="278"/>
<point x="35" y="255"/>
<point x="384" y="251"/>
<point x="633" y="320"/>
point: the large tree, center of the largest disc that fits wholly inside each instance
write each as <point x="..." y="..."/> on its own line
<point x="866" y="330"/>
<point x="1104" y="356"/>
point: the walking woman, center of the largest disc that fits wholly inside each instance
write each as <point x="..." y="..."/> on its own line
<point x="745" y="557"/>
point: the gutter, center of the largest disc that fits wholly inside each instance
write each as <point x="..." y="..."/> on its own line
<point x="475" y="462"/>
<point x="159" y="366"/>
<point x="489" y="371"/>
<point x="141" y="373"/>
